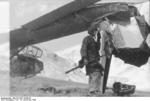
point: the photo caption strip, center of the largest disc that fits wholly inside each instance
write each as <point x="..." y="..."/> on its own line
<point x="17" y="99"/>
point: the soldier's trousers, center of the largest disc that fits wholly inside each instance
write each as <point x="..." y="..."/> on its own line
<point x="95" y="81"/>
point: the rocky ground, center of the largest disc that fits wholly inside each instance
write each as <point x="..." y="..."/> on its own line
<point x="4" y="84"/>
<point x="46" y="87"/>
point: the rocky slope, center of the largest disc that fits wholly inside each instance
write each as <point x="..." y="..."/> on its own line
<point x="56" y="65"/>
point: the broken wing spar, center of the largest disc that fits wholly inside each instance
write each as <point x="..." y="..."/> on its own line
<point x="69" y="8"/>
<point x="70" y="24"/>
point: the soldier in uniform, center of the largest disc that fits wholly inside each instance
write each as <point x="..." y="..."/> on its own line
<point x="96" y="48"/>
<point x="90" y="55"/>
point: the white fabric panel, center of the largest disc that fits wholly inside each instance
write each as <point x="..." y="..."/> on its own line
<point x="131" y="34"/>
<point x="118" y="38"/>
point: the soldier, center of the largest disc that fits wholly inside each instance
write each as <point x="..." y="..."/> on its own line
<point x="90" y="55"/>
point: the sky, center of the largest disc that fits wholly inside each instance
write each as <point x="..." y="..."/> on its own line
<point x="4" y="31"/>
<point x="23" y="11"/>
<point x="4" y="17"/>
<point x="4" y="21"/>
<point x="4" y="37"/>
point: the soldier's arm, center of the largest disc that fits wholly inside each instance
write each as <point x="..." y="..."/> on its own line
<point x="83" y="50"/>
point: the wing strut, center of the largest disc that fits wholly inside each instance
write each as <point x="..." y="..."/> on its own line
<point x="106" y="73"/>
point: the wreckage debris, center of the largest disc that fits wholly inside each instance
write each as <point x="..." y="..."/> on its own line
<point x="123" y="89"/>
<point x="133" y="56"/>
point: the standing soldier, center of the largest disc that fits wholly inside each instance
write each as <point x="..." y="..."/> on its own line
<point x="90" y="55"/>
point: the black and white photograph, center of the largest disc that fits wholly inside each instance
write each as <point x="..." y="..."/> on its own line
<point x="75" y="48"/>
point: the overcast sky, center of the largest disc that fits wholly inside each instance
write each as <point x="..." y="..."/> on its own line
<point x="23" y="11"/>
<point x="4" y="17"/>
<point x="4" y="21"/>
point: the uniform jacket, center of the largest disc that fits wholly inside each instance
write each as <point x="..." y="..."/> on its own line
<point x="90" y="51"/>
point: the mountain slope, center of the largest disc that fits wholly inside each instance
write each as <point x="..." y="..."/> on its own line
<point x="55" y="67"/>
